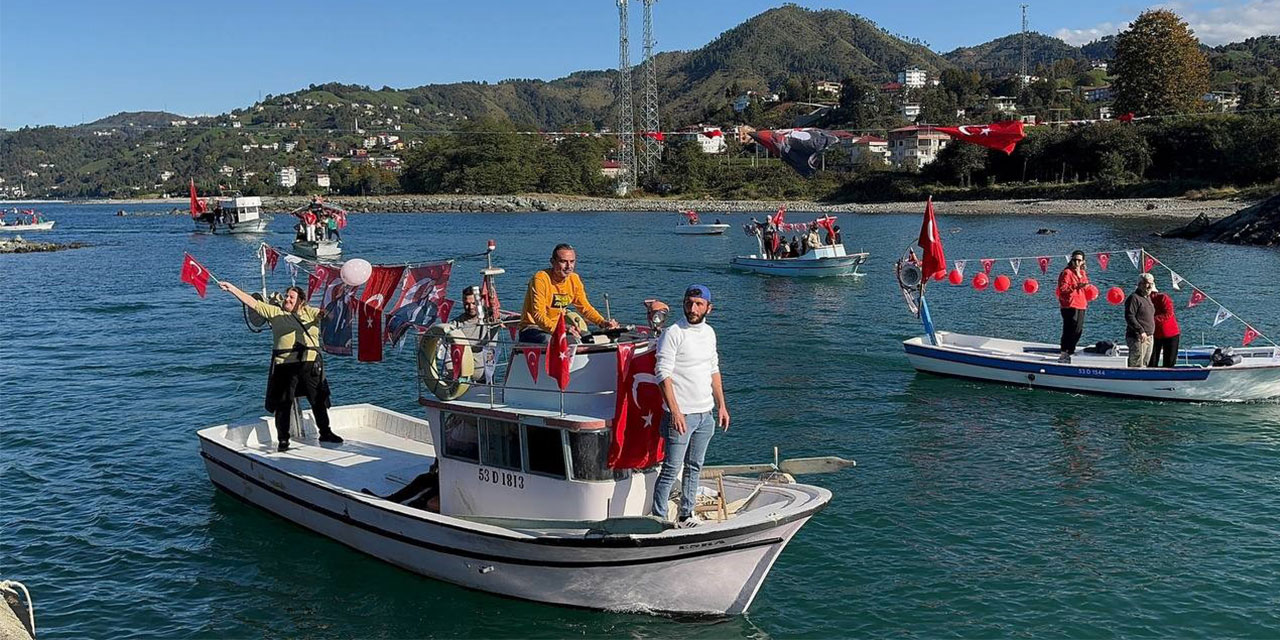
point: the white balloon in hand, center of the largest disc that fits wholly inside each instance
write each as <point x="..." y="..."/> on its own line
<point x="356" y="272"/>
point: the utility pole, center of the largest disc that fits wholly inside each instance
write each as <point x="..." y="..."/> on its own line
<point x="626" y="116"/>
<point x="651" y="149"/>
<point x="1022" y="62"/>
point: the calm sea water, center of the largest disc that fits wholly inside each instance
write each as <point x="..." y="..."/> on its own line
<point x="975" y="510"/>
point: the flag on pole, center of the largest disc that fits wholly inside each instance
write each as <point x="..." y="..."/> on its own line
<point x="930" y="242"/>
<point x="197" y="205"/>
<point x="194" y="274"/>
<point x="271" y="256"/>
<point x="1223" y="314"/>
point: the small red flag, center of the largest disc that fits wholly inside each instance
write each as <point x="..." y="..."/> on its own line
<point x="655" y="135"/>
<point x="1104" y="259"/>
<point x="320" y="279"/>
<point x="931" y="242"/>
<point x="987" y="263"/>
<point x="443" y="309"/>
<point x="456" y="353"/>
<point x="273" y="257"/>
<point x="194" y="274"/>
<point x="1001" y="136"/>
<point x="531" y="359"/>
<point x="781" y="216"/>
<point x="1249" y="334"/>
<point x="1044" y="264"/>
<point x="1196" y="298"/>
<point x="714" y="133"/>
<point x="1128" y="117"/>
<point x="1147" y="262"/>
<point x="559" y="355"/>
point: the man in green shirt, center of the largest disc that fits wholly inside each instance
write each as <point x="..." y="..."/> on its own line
<point x="296" y="365"/>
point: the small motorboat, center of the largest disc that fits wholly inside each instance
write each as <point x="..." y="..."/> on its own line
<point x="511" y="486"/>
<point x="314" y="238"/>
<point x="34" y="222"/>
<point x="693" y="226"/>
<point x="230" y="214"/>
<point x="823" y="259"/>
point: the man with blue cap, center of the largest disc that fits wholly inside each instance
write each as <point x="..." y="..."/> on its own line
<point x="688" y="372"/>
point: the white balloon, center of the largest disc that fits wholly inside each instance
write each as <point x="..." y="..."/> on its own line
<point x="356" y="272"/>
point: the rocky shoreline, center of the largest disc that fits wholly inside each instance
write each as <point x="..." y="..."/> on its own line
<point x="19" y="245"/>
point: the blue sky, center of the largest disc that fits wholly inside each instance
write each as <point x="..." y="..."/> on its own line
<point x="65" y="62"/>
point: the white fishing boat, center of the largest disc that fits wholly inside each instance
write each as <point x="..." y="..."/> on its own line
<point x="825" y="259"/>
<point x="231" y="215"/>
<point x="1201" y="374"/>
<point x="315" y="239"/>
<point x="506" y="488"/>
<point x="317" y="249"/>
<point x="34" y="222"/>
<point x="693" y="226"/>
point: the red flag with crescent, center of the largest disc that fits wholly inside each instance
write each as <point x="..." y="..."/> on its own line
<point x="1249" y="334"/>
<point x="1104" y="259"/>
<point x="1001" y="136"/>
<point x="930" y="242"/>
<point x="1196" y="298"/>
<point x="779" y="217"/>
<point x="531" y="359"/>
<point x="1147" y="262"/>
<point x="194" y="274"/>
<point x="987" y="263"/>
<point x="1043" y="261"/>
<point x="377" y="291"/>
<point x="637" y="416"/>
<point x="320" y="279"/>
<point x="654" y="135"/>
<point x="714" y="133"/>
<point x="559" y="354"/>
<point x="272" y="257"/>
<point x="456" y="353"/>
<point x="197" y="205"/>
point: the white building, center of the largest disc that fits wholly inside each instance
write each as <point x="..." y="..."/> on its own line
<point x="909" y="110"/>
<point x="226" y="170"/>
<point x="322" y="180"/>
<point x="1098" y="94"/>
<point x="915" y="147"/>
<point x="913" y="78"/>
<point x="290" y="146"/>
<point x="869" y="150"/>
<point x="288" y="177"/>
<point x="828" y="87"/>
<point x="1003" y="104"/>
<point x="709" y="138"/>
<point x="165" y="175"/>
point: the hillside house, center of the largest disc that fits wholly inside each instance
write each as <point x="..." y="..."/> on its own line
<point x="913" y="78"/>
<point x="828" y="87"/>
<point x="610" y="168"/>
<point x="872" y="150"/>
<point x="288" y="177"/>
<point x="1003" y="104"/>
<point x="1097" y="94"/>
<point x="322" y="180"/>
<point x="914" y="147"/>
<point x="909" y="111"/>
<point x="709" y="138"/>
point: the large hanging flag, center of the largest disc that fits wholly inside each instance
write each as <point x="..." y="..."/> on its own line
<point x="420" y="296"/>
<point x="799" y="148"/>
<point x="335" y="325"/>
<point x="1001" y="136"/>
<point x="637" y="414"/>
<point x="559" y="355"/>
<point x="377" y="291"/>
<point x="930" y="242"/>
<point x="194" y="274"/>
<point x="197" y="205"/>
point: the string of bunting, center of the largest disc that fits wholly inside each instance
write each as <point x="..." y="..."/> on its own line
<point x="1142" y="260"/>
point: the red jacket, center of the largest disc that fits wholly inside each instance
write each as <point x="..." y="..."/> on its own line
<point x="1071" y="289"/>
<point x="1166" y="323"/>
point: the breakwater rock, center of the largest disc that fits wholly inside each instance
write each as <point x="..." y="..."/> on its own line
<point x="18" y="245"/>
<point x="1257" y="224"/>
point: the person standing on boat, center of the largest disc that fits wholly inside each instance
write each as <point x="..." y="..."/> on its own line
<point x="1071" y="297"/>
<point x="479" y="333"/>
<point x="550" y="293"/>
<point x="688" y="373"/>
<point x="1140" y="321"/>
<point x="1168" y="333"/>
<point x="296" y="365"/>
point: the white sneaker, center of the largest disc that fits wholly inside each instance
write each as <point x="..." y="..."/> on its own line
<point x="688" y="523"/>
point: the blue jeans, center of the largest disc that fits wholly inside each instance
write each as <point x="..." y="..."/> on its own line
<point x="686" y="449"/>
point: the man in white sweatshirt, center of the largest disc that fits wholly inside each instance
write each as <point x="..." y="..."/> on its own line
<point x="688" y="373"/>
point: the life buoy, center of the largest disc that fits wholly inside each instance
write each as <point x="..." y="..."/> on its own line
<point x="430" y="368"/>
<point x="909" y="275"/>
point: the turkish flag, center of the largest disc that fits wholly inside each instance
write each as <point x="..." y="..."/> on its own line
<point x="377" y="291"/>
<point x="531" y="359"/>
<point x="655" y="135"/>
<point x="987" y="263"/>
<point x="637" y="415"/>
<point x="559" y="355"/>
<point x="1196" y="298"/>
<point x="779" y="217"/>
<point x="931" y="242"/>
<point x="1104" y="259"/>
<point x="456" y="353"/>
<point x="1001" y="136"/>
<point x="714" y="133"/>
<point x="320" y="279"/>
<point x="1249" y="334"/>
<point x="1128" y="117"/>
<point x="197" y="205"/>
<point x="1147" y="262"/>
<point x="272" y="256"/>
<point x="444" y="308"/>
<point x="194" y="274"/>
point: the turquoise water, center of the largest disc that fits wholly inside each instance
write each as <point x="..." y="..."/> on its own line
<point x="975" y="510"/>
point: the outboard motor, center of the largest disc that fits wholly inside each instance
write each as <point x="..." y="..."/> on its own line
<point x="1224" y="358"/>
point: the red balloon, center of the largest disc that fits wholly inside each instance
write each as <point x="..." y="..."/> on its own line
<point x="1002" y="283"/>
<point x="1115" y="295"/>
<point x="956" y="277"/>
<point x="1090" y="292"/>
<point x="980" y="281"/>
<point x="1030" y="285"/>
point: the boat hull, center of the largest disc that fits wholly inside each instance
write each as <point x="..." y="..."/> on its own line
<point x="259" y="225"/>
<point x="701" y="229"/>
<point x="643" y="573"/>
<point x="802" y="267"/>
<point x="317" y="249"/>
<point x="1088" y="373"/>
<point x="16" y="228"/>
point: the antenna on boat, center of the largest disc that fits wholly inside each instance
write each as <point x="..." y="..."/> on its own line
<point x="607" y="313"/>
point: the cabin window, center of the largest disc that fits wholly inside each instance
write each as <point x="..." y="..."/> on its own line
<point x="461" y="437"/>
<point x="589" y="452"/>
<point x="500" y="444"/>
<point x="546" y="450"/>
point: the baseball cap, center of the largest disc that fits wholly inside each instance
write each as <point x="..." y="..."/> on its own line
<point x="698" y="291"/>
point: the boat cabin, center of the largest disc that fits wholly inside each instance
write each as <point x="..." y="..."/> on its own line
<point x="237" y="209"/>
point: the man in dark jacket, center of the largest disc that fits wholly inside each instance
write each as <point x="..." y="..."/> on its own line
<point x="1140" y="321"/>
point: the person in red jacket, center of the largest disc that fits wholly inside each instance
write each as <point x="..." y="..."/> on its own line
<point x="1167" y="332"/>
<point x="1071" y="297"/>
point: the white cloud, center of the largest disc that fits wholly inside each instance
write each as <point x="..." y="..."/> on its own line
<point x="1213" y="24"/>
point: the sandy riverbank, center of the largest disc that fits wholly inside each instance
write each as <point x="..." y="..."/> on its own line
<point x="1152" y="207"/>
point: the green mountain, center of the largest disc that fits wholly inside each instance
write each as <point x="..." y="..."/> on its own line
<point x="1003" y="55"/>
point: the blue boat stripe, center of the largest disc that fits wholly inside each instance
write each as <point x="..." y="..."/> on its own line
<point x="1055" y="369"/>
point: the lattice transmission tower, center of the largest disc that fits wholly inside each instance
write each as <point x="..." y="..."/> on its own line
<point x="650" y="149"/>
<point x="626" y="115"/>
<point x="1022" y="41"/>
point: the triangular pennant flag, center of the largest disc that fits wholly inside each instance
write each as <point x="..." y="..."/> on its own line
<point x="1223" y="314"/>
<point x="1044" y="263"/>
<point x="1134" y="254"/>
<point x="513" y="329"/>
<point x="1196" y="298"/>
<point x="960" y="267"/>
<point x="1249" y="334"/>
<point x="1104" y="259"/>
<point x="532" y="359"/>
<point x="1177" y="281"/>
<point x="271" y="256"/>
<point x="1147" y="262"/>
<point x="1015" y="263"/>
<point x="987" y="263"/>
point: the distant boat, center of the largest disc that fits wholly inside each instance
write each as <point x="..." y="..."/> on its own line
<point x="314" y="239"/>
<point x="821" y="260"/>
<point x="695" y="227"/>
<point x="231" y="214"/>
<point x="35" y="222"/>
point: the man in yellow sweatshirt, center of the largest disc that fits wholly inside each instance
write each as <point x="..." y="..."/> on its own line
<point x="552" y="291"/>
